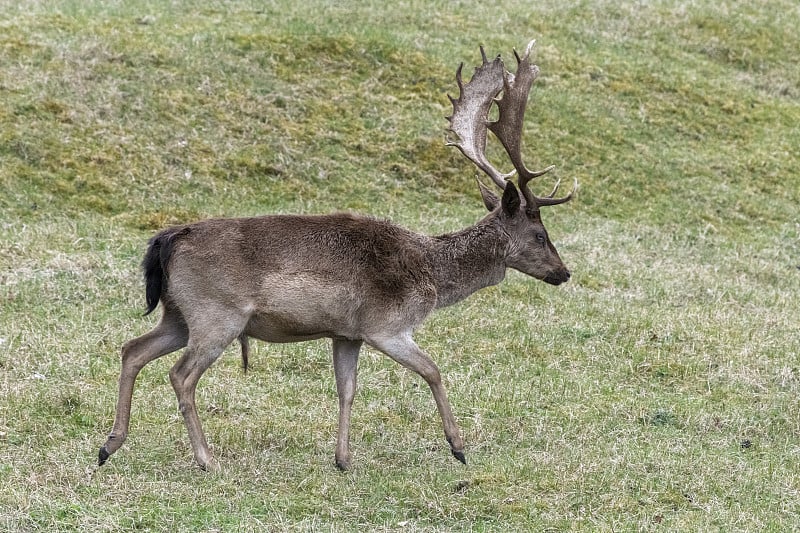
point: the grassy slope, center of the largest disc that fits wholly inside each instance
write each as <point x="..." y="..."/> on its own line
<point x="658" y="390"/>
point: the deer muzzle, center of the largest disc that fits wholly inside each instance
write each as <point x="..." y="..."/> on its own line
<point x="557" y="277"/>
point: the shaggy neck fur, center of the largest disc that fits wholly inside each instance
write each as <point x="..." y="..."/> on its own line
<point x="467" y="261"/>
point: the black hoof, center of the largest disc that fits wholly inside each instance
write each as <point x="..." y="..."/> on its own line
<point x="102" y="456"/>
<point x="459" y="456"/>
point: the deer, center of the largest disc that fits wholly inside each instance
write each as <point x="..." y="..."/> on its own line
<point x="354" y="279"/>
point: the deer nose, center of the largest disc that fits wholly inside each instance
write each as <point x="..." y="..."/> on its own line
<point x="557" y="277"/>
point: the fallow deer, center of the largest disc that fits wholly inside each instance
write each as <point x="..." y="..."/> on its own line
<point x="350" y="278"/>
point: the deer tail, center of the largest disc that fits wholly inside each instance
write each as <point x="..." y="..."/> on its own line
<point x="155" y="263"/>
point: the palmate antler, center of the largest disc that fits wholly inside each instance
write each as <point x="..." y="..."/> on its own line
<point x="470" y="121"/>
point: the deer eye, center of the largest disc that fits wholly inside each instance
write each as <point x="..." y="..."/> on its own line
<point x="540" y="238"/>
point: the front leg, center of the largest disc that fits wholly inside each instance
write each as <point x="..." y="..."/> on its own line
<point x="405" y="351"/>
<point x="345" y="368"/>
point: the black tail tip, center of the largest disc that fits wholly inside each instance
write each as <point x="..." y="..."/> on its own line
<point x="102" y="456"/>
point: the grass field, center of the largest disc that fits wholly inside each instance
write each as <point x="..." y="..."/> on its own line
<point x="659" y="390"/>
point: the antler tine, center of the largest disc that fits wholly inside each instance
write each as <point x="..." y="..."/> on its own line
<point x="549" y="200"/>
<point x="469" y="120"/>
<point x="508" y="127"/>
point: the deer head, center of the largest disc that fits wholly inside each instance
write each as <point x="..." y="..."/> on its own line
<point x="530" y="250"/>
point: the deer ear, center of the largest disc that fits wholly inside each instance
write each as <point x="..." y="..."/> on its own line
<point x="511" y="201"/>
<point x="490" y="199"/>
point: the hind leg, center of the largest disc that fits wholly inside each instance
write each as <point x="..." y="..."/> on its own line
<point x="169" y="335"/>
<point x="206" y="344"/>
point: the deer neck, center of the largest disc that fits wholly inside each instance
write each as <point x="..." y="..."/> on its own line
<point x="467" y="261"/>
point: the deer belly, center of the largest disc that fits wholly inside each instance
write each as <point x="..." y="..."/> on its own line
<point x="279" y="328"/>
<point x="304" y="311"/>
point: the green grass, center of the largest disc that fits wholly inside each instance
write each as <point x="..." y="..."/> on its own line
<point x="658" y="390"/>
